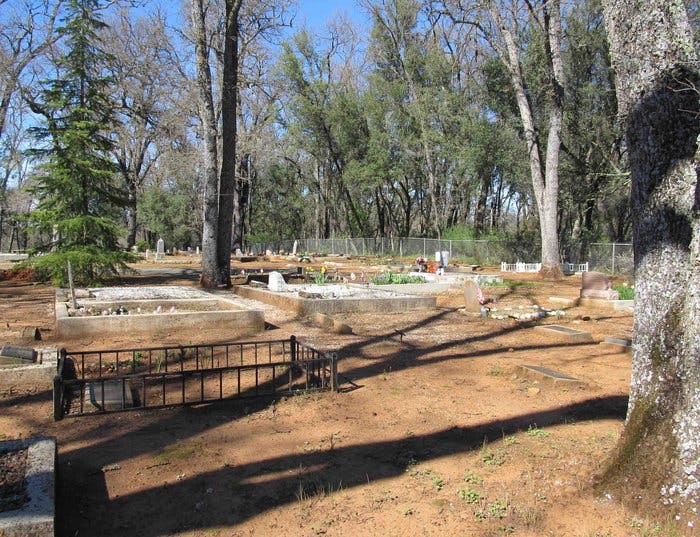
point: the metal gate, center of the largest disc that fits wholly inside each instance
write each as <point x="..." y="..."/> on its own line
<point x="94" y="382"/>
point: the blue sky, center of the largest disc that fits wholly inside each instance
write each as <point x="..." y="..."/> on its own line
<point x="317" y="12"/>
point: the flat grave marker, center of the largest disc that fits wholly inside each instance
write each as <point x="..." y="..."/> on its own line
<point x="14" y="355"/>
<point x="549" y="375"/>
<point x="570" y="333"/>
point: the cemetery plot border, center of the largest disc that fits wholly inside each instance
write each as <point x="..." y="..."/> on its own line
<point x="87" y="383"/>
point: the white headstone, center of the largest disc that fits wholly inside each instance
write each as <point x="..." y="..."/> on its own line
<point x="268" y="252"/>
<point x="276" y="282"/>
<point x="239" y="253"/>
<point x="160" y="249"/>
<point x="294" y="247"/>
<point x="197" y="250"/>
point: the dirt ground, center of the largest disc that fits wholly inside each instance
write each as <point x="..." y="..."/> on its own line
<point x="439" y="433"/>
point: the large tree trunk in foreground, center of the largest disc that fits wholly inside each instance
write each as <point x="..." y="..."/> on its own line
<point x="658" y="458"/>
<point x="209" y="278"/>
<point x="229" y="200"/>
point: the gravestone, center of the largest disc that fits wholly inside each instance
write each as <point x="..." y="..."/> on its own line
<point x="160" y="250"/>
<point x="110" y="394"/>
<point x="276" y="282"/>
<point x="239" y="252"/>
<point x="197" y="250"/>
<point x="549" y="375"/>
<point x="13" y="355"/>
<point x="472" y="294"/>
<point x="597" y="285"/>
<point x="294" y="247"/>
<point x="570" y="333"/>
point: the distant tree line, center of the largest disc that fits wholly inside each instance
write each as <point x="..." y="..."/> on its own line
<point x="446" y="120"/>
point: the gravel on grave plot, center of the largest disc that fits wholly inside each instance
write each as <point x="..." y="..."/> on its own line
<point x="342" y="291"/>
<point x="13" y="486"/>
<point x="153" y="292"/>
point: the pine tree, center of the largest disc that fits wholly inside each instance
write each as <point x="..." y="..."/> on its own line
<point x="78" y="200"/>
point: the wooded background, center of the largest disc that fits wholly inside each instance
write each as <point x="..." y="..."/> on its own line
<point x="413" y="128"/>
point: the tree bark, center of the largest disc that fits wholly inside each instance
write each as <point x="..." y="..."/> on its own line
<point x="229" y="195"/>
<point x="545" y="180"/>
<point x="209" y="278"/>
<point x="654" y="57"/>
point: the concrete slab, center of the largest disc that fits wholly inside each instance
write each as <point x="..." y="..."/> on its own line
<point x="569" y="333"/>
<point x="14" y="355"/>
<point x="434" y="288"/>
<point x="571" y="302"/>
<point x="368" y="301"/>
<point x="109" y="394"/>
<point x="549" y="375"/>
<point x="618" y="344"/>
<point x="36" y="517"/>
<point x="155" y="308"/>
<point x="606" y="304"/>
<point x="36" y="375"/>
<point x="13" y="257"/>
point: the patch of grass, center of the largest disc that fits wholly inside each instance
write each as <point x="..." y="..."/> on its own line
<point x="472" y="478"/>
<point x="438" y="483"/>
<point x="497" y="509"/>
<point x="396" y="278"/>
<point x="177" y="452"/>
<point x="492" y="458"/>
<point x="530" y="515"/>
<point x="536" y="432"/>
<point x="307" y="491"/>
<point x="508" y="283"/>
<point x="625" y="291"/>
<point x="495" y="371"/>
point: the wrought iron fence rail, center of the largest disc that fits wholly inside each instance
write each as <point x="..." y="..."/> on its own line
<point x="109" y="362"/>
<point x="304" y="369"/>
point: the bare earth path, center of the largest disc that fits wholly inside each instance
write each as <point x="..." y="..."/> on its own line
<point x="442" y="436"/>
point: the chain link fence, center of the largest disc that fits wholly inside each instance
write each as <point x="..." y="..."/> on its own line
<point x="613" y="258"/>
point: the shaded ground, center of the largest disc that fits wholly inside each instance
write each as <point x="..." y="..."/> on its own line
<point x="442" y="435"/>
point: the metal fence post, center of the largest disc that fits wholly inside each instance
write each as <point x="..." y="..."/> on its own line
<point x="293" y="348"/>
<point x="334" y="371"/>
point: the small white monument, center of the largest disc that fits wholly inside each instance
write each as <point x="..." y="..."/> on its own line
<point x="276" y="282"/>
<point x="160" y="250"/>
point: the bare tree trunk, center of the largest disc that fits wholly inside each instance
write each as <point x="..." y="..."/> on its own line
<point x="545" y="180"/>
<point x="209" y="278"/>
<point x="229" y="199"/>
<point x="653" y="53"/>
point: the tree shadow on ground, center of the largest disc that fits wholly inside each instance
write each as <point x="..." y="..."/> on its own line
<point x="232" y="494"/>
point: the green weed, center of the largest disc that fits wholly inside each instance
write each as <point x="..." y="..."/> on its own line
<point x="536" y="432"/>
<point x="468" y="495"/>
<point x="625" y="291"/>
<point x="472" y="478"/>
<point x="395" y="278"/>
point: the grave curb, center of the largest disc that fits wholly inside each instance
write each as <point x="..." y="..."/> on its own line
<point x="549" y="376"/>
<point x="36" y="517"/>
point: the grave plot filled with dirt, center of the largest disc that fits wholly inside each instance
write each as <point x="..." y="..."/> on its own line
<point x="436" y="431"/>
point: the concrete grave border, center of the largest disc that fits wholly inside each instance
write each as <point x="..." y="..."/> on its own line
<point x="36" y="517"/>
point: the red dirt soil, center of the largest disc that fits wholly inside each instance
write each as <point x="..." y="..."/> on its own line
<point x="443" y="435"/>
